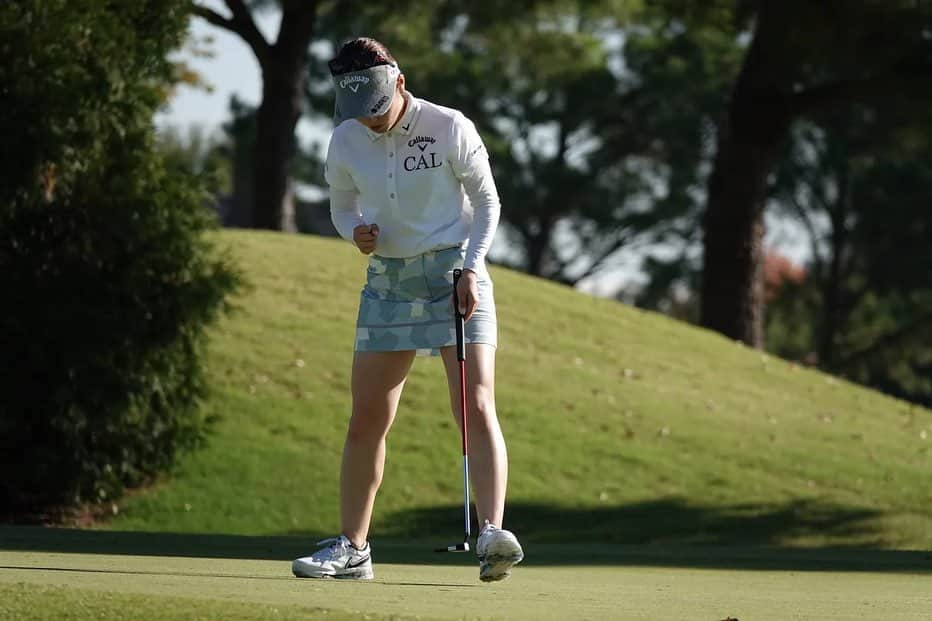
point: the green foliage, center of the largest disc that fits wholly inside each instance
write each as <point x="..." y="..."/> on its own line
<point x="107" y="277"/>
<point x="858" y="181"/>
<point x="790" y="324"/>
<point x="889" y="344"/>
<point x="681" y="69"/>
<point x="202" y="155"/>
<point x="854" y="173"/>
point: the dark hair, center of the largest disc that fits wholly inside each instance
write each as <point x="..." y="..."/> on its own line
<point x="360" y="54"/>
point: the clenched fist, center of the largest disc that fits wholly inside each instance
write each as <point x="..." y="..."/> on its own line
<point x="365" y="236"/>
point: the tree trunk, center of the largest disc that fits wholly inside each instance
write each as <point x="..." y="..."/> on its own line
<point x="276" y="119"/>
<point x="283" y="67"/>
<point x="284" y="72"/>
<point x="732" y="282"/>
<point x="244" y="179"/>
<point x="537" y="244"/>
<point x="755" y="124"/>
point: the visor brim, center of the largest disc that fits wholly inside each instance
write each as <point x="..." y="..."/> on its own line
<point x="365" y="93"/>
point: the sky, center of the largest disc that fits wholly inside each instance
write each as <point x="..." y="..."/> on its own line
<point x="231" y="69"/>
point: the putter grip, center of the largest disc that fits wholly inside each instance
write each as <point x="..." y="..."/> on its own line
<point x="460" y="321"/>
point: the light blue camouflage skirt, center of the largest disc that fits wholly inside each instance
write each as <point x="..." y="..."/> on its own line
<point x="406" y="305"/>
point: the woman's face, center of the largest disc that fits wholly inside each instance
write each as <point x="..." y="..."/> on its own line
<point x="382" y="123"/>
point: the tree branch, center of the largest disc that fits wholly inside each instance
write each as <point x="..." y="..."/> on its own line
<point x="899" y="77"/>
<point x="213" y="17"/>
<point x="810" y="229"/>
<point x="558" y="273"/>
<point x="240" y="24"/>
<point x="598" y="263"/>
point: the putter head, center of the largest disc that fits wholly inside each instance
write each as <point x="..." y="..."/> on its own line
<point x="460" y="547"/>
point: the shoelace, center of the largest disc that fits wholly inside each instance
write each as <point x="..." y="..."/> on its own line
<point x="336" y="547"/>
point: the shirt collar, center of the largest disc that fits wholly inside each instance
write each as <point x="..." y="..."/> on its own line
<point x="409" y="120"/>
<point x="406" y="125"/>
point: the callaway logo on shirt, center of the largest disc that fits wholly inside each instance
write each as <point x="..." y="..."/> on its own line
<point x="430" y="160"/>
<point x="421" y="142"/>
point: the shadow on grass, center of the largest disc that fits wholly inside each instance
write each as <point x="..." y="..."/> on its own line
<point x="667" y="520"/>
<point x="662" y="533"/>
<point x="672" y="533"/>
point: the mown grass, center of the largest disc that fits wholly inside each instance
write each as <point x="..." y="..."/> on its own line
<point x="106" y="575"/>
<point x="28" y="602"/>
<point x="622" y="426"/>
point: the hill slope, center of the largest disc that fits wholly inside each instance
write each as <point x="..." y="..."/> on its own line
<point x="621" y="425"/>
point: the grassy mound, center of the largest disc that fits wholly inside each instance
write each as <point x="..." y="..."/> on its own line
<point x="622" y="426"/>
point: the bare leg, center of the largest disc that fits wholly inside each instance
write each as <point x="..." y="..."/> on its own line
<point x="378" y="378"/>
<point x="488" y="458"/>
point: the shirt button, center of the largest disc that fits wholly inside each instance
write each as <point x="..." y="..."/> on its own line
<point x="392" y="195"/>
<point x="391" y="154"/>
<point x="389" y="175"/>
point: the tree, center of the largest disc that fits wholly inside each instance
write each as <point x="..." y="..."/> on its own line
<point x="540" y="102"/>
<point x="679" y="68"/>
<point x="109" y="280"/>
<point x="198" y="154"/>
<point x="858" y="180"/>
<point x="803" y="57"/>
<point x="283" y="64"/>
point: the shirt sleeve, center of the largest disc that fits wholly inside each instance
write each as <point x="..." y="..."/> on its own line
<point x="335" y="171"/>
<point x="344" y="212"/>
<point x="470" y="163"/>
<point x="344" y="197"/>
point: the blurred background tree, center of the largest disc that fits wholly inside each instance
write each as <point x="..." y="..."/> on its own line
<point x="859" y="182"/>
<point x="803" y="59"/>
<point x="108" y="277"/>
<point x="198" y="153"/>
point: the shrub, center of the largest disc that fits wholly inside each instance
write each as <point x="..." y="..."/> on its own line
<point x="108" y="274"/>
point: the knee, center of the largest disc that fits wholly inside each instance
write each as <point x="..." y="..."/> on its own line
<point x="482" y="411"/>
<point x="366" y="426"/>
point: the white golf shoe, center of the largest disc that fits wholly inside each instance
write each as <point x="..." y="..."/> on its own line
<point x="337" y="559"/>
<point x="498" y="552"/>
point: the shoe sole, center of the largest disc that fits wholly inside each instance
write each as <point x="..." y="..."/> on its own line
<point x="362" y="573"/>
<point x="497" y="567"/>
<point x="496" y="564"/>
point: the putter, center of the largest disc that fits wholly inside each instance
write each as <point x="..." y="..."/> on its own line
<point x="461" y="357"/>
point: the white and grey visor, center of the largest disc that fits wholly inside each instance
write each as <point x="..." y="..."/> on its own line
<point x="365" y="93"/>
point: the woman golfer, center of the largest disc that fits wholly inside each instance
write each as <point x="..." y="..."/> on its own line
<point x="410" y="186"/>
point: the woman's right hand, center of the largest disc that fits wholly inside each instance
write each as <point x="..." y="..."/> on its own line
<point x="365" y="237"/>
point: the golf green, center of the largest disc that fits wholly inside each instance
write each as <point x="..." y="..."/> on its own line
<point x="623" y="582"/>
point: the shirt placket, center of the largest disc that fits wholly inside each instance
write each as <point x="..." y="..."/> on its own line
<point x="391" y="156"/>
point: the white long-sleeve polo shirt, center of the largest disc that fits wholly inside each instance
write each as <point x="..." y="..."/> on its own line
<point x="426" y="183"/>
